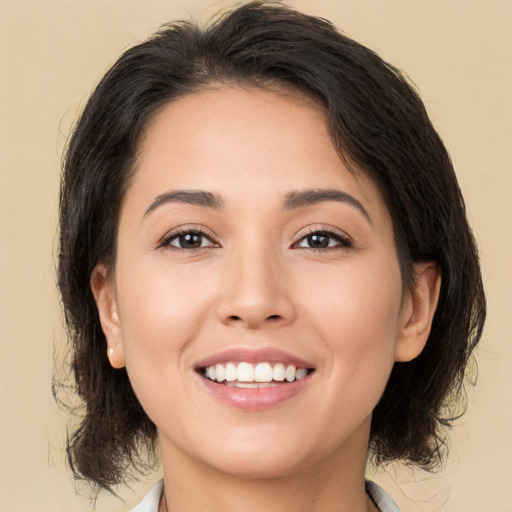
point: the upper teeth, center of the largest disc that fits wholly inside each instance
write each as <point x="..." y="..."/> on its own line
<point x="261" y="372"/>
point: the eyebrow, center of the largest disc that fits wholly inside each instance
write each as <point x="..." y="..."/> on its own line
<point x="195" y="197"/>
<point x="293" y="200"/>
<point x="310" y="197"/>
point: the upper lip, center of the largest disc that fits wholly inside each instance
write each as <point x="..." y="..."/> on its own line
<point x="254" y="356"/>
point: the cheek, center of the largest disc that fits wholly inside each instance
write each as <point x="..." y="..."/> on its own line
<point x="159" y="301"/>
<point x="155" y="313"/>
<point x="357" y="318"/>
<point x="355" y="301"/>
<point x="161" y="311"/>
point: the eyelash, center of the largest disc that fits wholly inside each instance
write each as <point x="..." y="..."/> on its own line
<point x="166" y="242"/>
<point x="341" y="238"/>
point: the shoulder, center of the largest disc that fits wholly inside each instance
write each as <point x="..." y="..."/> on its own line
<point x="151" y="500"/>
<point x="381" y="498"/>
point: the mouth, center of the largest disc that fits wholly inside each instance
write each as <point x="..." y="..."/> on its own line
<point x="254" y="380"/>
<point x="248" y="375"/>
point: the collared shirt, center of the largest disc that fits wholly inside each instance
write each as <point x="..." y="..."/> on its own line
<point x="379" y="496"/>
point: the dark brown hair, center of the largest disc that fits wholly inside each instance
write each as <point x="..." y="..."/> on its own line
<point x="377" y="122"/>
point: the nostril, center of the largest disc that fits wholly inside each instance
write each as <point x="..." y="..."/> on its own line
<point x="271" y="317"/>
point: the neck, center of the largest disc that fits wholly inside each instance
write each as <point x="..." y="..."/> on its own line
<point x="334" y="484"/>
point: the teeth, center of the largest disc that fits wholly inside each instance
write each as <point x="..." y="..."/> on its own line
<point x="210" y="373"/>
<point x="290" y="373"/>
<point x="263" y="372"/>
<point x="279" y="372"/>
<point x="245" y="372"/>
<point x="300" y="373"/>
<point x="250" y="384"/>
<point x="247" y="375"/>
<point x="231" y="372"/>
<point x="220" y="373"/>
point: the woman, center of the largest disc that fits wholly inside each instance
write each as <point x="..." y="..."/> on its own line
<point x="266" y="265"/>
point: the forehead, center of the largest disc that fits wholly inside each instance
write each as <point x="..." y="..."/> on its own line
<point x="245" y="141"/>
<point x="211" y="121"/>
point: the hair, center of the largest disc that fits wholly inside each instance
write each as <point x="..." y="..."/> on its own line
<point x="377" y="123"/>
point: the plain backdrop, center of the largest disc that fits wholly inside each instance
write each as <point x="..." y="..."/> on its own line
<point x="52" y="54"/>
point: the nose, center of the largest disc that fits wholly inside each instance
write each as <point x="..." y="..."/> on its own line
<point x="256" y="292"/>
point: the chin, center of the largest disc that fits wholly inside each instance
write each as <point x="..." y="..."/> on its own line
<point x="265" y="466"/>
<point x="260" y="454"/>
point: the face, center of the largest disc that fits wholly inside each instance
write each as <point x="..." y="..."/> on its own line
<point x="247" y="251"/>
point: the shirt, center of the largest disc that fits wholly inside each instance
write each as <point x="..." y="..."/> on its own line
<point x="379" y="496"/>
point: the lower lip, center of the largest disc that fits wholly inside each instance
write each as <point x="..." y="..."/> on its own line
<point x="255" y="399"/>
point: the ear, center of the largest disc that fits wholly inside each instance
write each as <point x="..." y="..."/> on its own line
<point x="418" y="310"/>
<point x="103" y="290"/>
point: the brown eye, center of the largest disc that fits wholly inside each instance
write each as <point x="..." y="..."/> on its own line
<point x="188" y="240"/>
<point x="318" y="241"/>
<point x="323" y="240"/>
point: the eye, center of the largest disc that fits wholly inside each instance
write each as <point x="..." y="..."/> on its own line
<point x="187" y="239"/>
<point x="323" y="239"/>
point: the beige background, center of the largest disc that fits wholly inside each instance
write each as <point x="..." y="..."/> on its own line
<point x="52" y="54"/>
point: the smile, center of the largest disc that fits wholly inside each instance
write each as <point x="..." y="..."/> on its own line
<point x="254" y="380"/>
<point x="260" y="375"/>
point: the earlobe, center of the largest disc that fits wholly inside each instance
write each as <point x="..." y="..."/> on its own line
<point x="418" y="312"/>
<point x="104" y="293"/>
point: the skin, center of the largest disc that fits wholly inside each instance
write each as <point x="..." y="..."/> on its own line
<point x="256" y="282"/>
